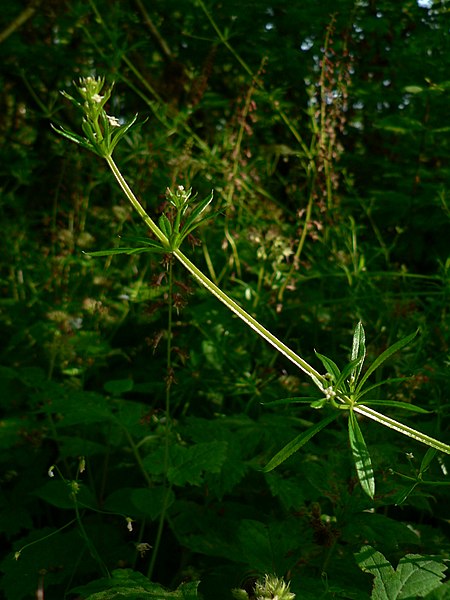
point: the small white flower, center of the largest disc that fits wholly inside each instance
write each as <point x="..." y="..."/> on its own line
<point x="142" y="548"/>
<point x="50" y="471"/>
<point x="129" y="524"/>
<point x="113" y="121"/>
<point x="329" y="393"/>
<point x="97" y="98"/>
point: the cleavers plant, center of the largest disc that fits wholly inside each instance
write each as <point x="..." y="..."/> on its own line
<point x="341" y="390"/>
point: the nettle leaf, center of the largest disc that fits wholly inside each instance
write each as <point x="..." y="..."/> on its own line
<point x="361" y="456"/>
<point x="414" y="577"/>
<point x="187" y="465"/>
<point x="126" y="584"/>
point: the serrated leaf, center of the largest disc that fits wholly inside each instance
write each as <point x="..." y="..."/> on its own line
<point x="361" y="456"/>
<point x="125" y="584"/>
<point x="414" y="577"/>
<point x="187" y="465"/>
<point x="297" y="443"/>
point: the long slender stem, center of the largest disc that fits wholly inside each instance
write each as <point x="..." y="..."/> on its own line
<point x="167" y="427"/>
<point x="212" y="287"/>
<point x="401" y="428"/>
<point x="262" y="331"/>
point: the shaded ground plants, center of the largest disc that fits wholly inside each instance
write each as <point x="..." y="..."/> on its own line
<point x="153" y="447"/>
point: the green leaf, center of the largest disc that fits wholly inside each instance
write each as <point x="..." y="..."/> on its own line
<point x="347" y="371"/>
<point x="293" y="400"/>
<point x="297" y="443"/>
<point x="59" y="493"/>
<point x="361" y="456"/>
<point x="119" y="132"/>
<point x="165" y="226"/>
<point x="384" y="356"/>
<point x="330" y="366"/>
<point x="390" y="380"/>
<point x="187" y="465"/>
<point x="358" y="351"/>
<point x="150" y="247"/>
<point x="126" y="584"/>
<point x="426" y="460"/>
<point x="396" y="404"/>
<point x="73" y="137"/>
<point x="194" y="219"/>
<point x="414" y="577"/>
<point x="118" y="386"/>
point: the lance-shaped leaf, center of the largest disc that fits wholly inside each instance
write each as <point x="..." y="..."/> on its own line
<point x="383" y="357"/>
<point x="361" y="456"/>
<point x="358" y="351"/>
<point x="330" y="366"/>
<point x="297" y="443"/>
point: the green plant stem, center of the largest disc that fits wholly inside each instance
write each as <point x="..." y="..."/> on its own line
<point x="401" y="428"/>
<point x="212" y="287"/>
<point x="92" y="549"/>
<point x="344" y="400"/>
<point x="167" y="425"/>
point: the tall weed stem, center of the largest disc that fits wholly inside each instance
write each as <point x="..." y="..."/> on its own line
<point x="167" y="423"/>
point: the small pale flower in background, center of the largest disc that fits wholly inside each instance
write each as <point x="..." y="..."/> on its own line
<point x="50" y="471"/>
<point x="129" y="524"/>
<point x="82" y="465"/>
<point x="142" y="548"/>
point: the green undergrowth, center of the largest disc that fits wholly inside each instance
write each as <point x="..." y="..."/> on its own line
<point x="153" y="445"/>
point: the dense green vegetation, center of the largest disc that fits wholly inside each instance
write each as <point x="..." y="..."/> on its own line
<point x="138" y="413"/>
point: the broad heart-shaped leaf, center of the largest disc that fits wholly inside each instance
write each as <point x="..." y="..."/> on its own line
<point x="358" y="351"/>
<point x="414" y="577"/>
<point x="297" y="443"/>
<point x="361" y="456"/>
<point x="383" y="357"/>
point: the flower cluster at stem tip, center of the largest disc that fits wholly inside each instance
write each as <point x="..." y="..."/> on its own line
<point x="101" y="131"/>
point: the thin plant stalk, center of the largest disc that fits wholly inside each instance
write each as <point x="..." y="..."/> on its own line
<point x="167" y="423"/>
<point x="343" y="400"/>
<point x="209" y="285"/>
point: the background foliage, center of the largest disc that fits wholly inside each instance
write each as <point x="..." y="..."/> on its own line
<point x="323" y="129"/>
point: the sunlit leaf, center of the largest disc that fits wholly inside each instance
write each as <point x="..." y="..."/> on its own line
<point x="384" y="356"/>
<point x="361" y="456"/>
